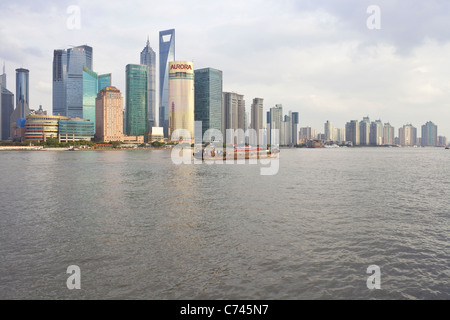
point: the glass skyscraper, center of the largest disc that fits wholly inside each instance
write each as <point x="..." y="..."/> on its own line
<point x="148" y="58"/>
<point x="136" y="100"/>
<point x="22" y="98"/>
<point x="68" y="67"/>
<point x="92" y="84"/>
<point x="166" y="55"/>
<point x="208" y="98"/>
<point x="6" y="108"/>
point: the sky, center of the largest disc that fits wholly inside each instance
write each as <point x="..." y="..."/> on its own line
<point x="326" y="59"/>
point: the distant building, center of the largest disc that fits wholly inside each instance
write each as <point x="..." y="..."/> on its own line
<point x="148" y="58"/>
<point x="42" y="127"/>
<point x="407" y="135"/>
<point x="388" y="134"/>
<point x="307" y="133"/>
<point x="339" y="135"/>
<point x="429" y="135"/>
<point x="166" y="55"/>
<point x="109" y="115"/>
<point x="257" y="116"/>
<point x="376" y="133"/>
<point x="208" y="99"/>
<point x="181" y="98"/>
<point x="6" y="108"/>
<point x="328" y="129"/>
<point x="352" y="133"/>
<point x="364" y="131"/>
<point x="136" y="100"/>
<point x="157" y="134"/>
<point x="443" y="142"/>
<point x="233" y="115"/>
<point x="76" y="129"/>
<point x="92" y="84"/>
<point x="68" y="67"/>
<point x="22" y="110"/>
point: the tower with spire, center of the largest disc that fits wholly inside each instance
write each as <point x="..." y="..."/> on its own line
<point x="148" y="58"/>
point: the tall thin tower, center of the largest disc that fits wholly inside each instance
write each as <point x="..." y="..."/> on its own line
<point x="148" y="58"/>
<point x="166" y="55"/>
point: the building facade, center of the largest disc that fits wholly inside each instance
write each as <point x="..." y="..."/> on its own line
<point x="388" y="134"/>
<point x="407" y="135"/>
<point x="6" y="108"/>
<point x="109" y="115"/>
<point x="22" y="110"/>
<point x="233" y="116"/>
<point x="181" y="98"/>
<point x="76" y="129"/>
<point x="42" y="127"/>
<point x="429" y="135"/>
<point x="208" y="99"/>
<point x="148" y="58"/>
<point x="136" y="100"/>
<point x="92" y="84"/>
<point x="352" y="133"/>
<point x="166" y="55"/>
<point x="364" y="131"/>
<point x="376" y="133"/>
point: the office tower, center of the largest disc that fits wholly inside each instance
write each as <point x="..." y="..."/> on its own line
<point x="181" y="98"/>
<point x="68" y="67"/>
<point x="364" y="130"/>
<point x="376" y="133"/>
<point x="407" y="135"/>
<point x="388" y="134"/>
<point x="22" y="110"/>
<point x="257" y="114"/>
<point x="136" y="99"/>
<point x="75" y="129"/>
<point x="92" y="84"/>
<point x="109" y="115"/>
<point x="233" y="113"/>
<point x="295" y="125"/>
<point x="276" y="119"/>
<point x="328" y="131"/>
<point x="352" y="133"/>
<point x="6" y="108"/>
<point x="208" y="99"/>
<point x="148" y="58"/>
<point x="429" y="135"/>
<point x="166" y="55"/>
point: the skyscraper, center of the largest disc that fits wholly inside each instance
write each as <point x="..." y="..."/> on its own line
<point x="148" y="58"/>
<point x="328" y="131"/>
<point x="352" y="132"/>
<point x="376" y="133"/>
<point x="68" y="67"/>
<point x="276" y="123"/>
<point x="22" y="110"/>
<point x="92" y="84"/>
<point x="136" y="100"/>
<point x="295" y="126"/>
<point x="208" y="98"/>
<point x="233" y="113"/>
<point x="388" y="134"/>
<point x="109" y="115"/>
<point x="429" y="135"/>
<point x="181" y="98"/>
<point x="364" y="130"/>
<point x="166" y="55"/>
<point x="407" y="135"/>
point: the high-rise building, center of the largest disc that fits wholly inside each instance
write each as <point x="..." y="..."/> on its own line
<point x="257" y="110"/>
<point x="407" y="135"/>
<point x="166" y="55"/>
<point x="233" y="114"/>
<point x="148" y="58"/>
<point x="276" y="123"/>
<point x="22" y="110"/>
<point x="339" y="135"/>
<point x="208" y="99"/>
<point x="295" y="123"/>
<point x="6" y="108"/>
<point x="442" y="141"/>
<point x="307" y="133"/>
<point x="328" y="129"/>
<point x="109" y="115"/>
<point x="92" y="84"/>
<point x="68" y="67"/>
<point x="429" y="135"/>
<point x="352" y="133"/>
<point x="364" y="131"/>
<point x="388" y="134"/>
<point x="376" y="133"/>
<point x="136" y="100"/>
<point x="181" y="98"/>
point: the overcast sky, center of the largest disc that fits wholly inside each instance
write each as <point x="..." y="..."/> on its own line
<point x="316" y="57"/>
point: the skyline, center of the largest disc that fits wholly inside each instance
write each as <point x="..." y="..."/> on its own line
<point x="318" y="59"/>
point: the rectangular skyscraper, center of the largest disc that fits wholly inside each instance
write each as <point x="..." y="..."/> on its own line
<point x="68" y="66"/>
<point x="429" y="135"/>
<point x="208" y="99"/>
<point x="166" y="55"/>
<point x="92" y="84"/>
<point x="109" y="115"/>
<point x="136" y="100"/>
<point x="148" y="58"/>
<point x="233" y="113"/>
